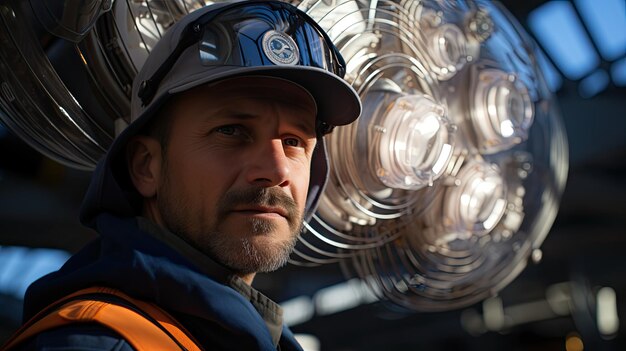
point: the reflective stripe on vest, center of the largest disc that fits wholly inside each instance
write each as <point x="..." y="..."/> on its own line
<point x="143" y="325"/>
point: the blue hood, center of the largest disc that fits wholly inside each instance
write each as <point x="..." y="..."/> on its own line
<point x="126" y="258"/>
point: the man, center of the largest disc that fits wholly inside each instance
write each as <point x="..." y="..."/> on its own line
<point x="208" y="185"/>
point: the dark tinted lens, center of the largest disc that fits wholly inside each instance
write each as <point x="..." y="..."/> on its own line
<point x="215" y="46"/>
<point x="262" y="35"/>
<point x="255" y="33"/>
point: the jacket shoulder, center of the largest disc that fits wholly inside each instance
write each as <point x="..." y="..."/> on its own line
<point x="76" y="337"/>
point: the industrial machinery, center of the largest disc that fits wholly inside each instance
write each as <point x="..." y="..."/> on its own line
<point x="438" y="195"/>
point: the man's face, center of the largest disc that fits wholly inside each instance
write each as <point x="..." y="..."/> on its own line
<point x="235" y="176"/>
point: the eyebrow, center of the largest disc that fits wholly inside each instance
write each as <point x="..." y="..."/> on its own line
<point x="305" y="128"/>
<point x="244" y="116"/>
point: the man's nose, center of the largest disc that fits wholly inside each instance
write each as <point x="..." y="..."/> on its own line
<point x="270" y="166"/>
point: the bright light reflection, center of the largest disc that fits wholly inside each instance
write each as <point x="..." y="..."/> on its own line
<point x="494" y="215"/>
<point x="493" y="109"/>
<point x="446" y="150"/>
<point x="608" y="321"/>
<point x="466" y="201"/>
<point x="342" y="296"/>
<point x="298" y="310"/>
<point x="481" y="205"/>
<point x="398" y="145"/>
<point x="429" y="126"/>
<point x="482" y="192"/>
<point x="337" y="298"/>
<point x="506" y="128"/>
<point x="559" y="30"/>
<point x="413" y="143"/>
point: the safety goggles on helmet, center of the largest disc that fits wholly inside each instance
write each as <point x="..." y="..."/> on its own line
<point x="250" y="34"/>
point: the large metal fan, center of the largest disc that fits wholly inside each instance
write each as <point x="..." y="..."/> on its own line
<point x="441" y="191"/>
<point x="437" y="195"/>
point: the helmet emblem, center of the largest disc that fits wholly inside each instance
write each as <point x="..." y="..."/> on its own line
<point x="280" y="48"/>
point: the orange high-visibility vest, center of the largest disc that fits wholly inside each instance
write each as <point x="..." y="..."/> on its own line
<point x="143" y="325"/>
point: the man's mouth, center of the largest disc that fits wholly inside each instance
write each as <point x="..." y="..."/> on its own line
<point x="256" y="209"/>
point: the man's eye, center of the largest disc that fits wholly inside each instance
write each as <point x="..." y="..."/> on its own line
<point x="291" y="142"/>
<point x="229" y="130"/>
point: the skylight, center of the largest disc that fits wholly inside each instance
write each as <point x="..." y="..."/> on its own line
<point x="593" y="84"/>
<point x="618" y="72"/>
<point x="21" y="266"/>
<point x="557" y="27"/>
<point x="606" y="21"/>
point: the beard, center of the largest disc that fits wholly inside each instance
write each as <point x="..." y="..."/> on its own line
<point x="253" y="251"/>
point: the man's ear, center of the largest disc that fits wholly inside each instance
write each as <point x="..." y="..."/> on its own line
<point x="144" y="160"/>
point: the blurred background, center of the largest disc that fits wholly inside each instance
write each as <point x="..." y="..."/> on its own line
<point x="571" y="298"/>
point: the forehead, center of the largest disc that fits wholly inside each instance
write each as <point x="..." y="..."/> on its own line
<point x="234" y="90"/>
